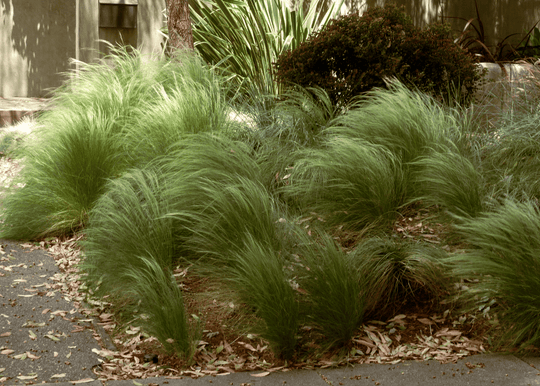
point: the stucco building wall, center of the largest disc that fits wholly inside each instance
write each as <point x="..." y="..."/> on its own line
<point x="38" y="37"/>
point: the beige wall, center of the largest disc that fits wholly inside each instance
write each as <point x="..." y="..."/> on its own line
<point x="38" y="37"/>
<point x="500" y="17"/>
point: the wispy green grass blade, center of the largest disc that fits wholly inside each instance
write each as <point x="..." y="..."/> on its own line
<point x="63" y="178"/>
<point x="127" y="222"/>
<point x="351" y="181"/>
<point x="504" y="255"/>
<point x="512" y="160"/>
<point x="445" y="177"/>
<point x="162" y="307"/>
<point x="215" y="190"/>
<point x="232" y="213"/>
<point x="335" y="291"/>
<point x="404" y="121"/>
<point x="106" y="119"/>
<point x="258" y="276"/>
<point x="399" y="274"/>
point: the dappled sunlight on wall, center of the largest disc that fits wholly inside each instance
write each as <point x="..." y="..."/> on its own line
<point x="13" y="67"/>
<point x="500" y="17"/>
<point x="42" y="37"/>
<point x="149" y="23"/>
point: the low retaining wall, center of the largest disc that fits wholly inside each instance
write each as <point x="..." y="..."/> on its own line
<point x="504" y="83"/>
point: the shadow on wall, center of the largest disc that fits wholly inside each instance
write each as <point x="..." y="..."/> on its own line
<point x="500" y="17"/>
<point x="43" y="34"/>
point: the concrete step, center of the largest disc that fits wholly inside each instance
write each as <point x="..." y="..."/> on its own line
<point x="12" y="110"/>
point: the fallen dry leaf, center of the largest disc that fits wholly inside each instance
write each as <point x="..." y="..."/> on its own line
<point x="24" y="377"/>
<point x="85" y="380"/>
<point x="264" y="374"/>
<point x="32" y="356"/>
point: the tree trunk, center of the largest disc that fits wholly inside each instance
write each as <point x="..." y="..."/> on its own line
<point x="179" y="24"/>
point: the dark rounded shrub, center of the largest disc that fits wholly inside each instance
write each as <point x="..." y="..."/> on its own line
<point x="353" y="54"/>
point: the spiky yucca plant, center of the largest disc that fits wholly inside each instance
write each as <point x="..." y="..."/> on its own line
<point x="244" y="39"/>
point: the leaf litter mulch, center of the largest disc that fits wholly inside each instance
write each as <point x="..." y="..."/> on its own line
<point x="222" y="349"/>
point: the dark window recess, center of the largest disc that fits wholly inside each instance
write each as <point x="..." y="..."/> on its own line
<point x="117" y="15"/>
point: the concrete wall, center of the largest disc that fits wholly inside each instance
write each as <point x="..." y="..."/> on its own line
<point x="38" y="37"/>
<point x="500" y="17"/>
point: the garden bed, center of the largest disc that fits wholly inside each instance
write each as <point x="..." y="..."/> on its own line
<point x="300" y="236"/>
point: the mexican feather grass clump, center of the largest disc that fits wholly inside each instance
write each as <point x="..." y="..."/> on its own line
<point x="350" y="181"/>
<point x="335" y="290"/>
<point x="129" y="251"/>
<point x="406" y="122"/>
<point x="203" y="205"/>
<point x="93" y="133"/>
<point x="127" y="221"/>
<point x="161" y="308"/>
<point x="398" y="273"/>
<point x="445" y="177"/>
<point x="142" y="157"/>
<point x="258" y="276"/>
<point x="504" y="256"/>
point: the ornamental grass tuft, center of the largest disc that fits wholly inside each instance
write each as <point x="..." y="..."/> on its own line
<point x="504" y="256"/>
<point x="349" y="182"/>
<point x="399" y="273"/>
<point x="335" y="290"/>
<point x="93" y="133"/>
<point x="445" y="177"/>
<point x="258" y="275"/>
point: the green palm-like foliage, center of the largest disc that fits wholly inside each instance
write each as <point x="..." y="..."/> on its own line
<point x="245" y="38"/>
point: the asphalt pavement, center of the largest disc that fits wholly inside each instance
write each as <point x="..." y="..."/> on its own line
<point x="43" y="337"/>
<point x="46" y="339"/>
